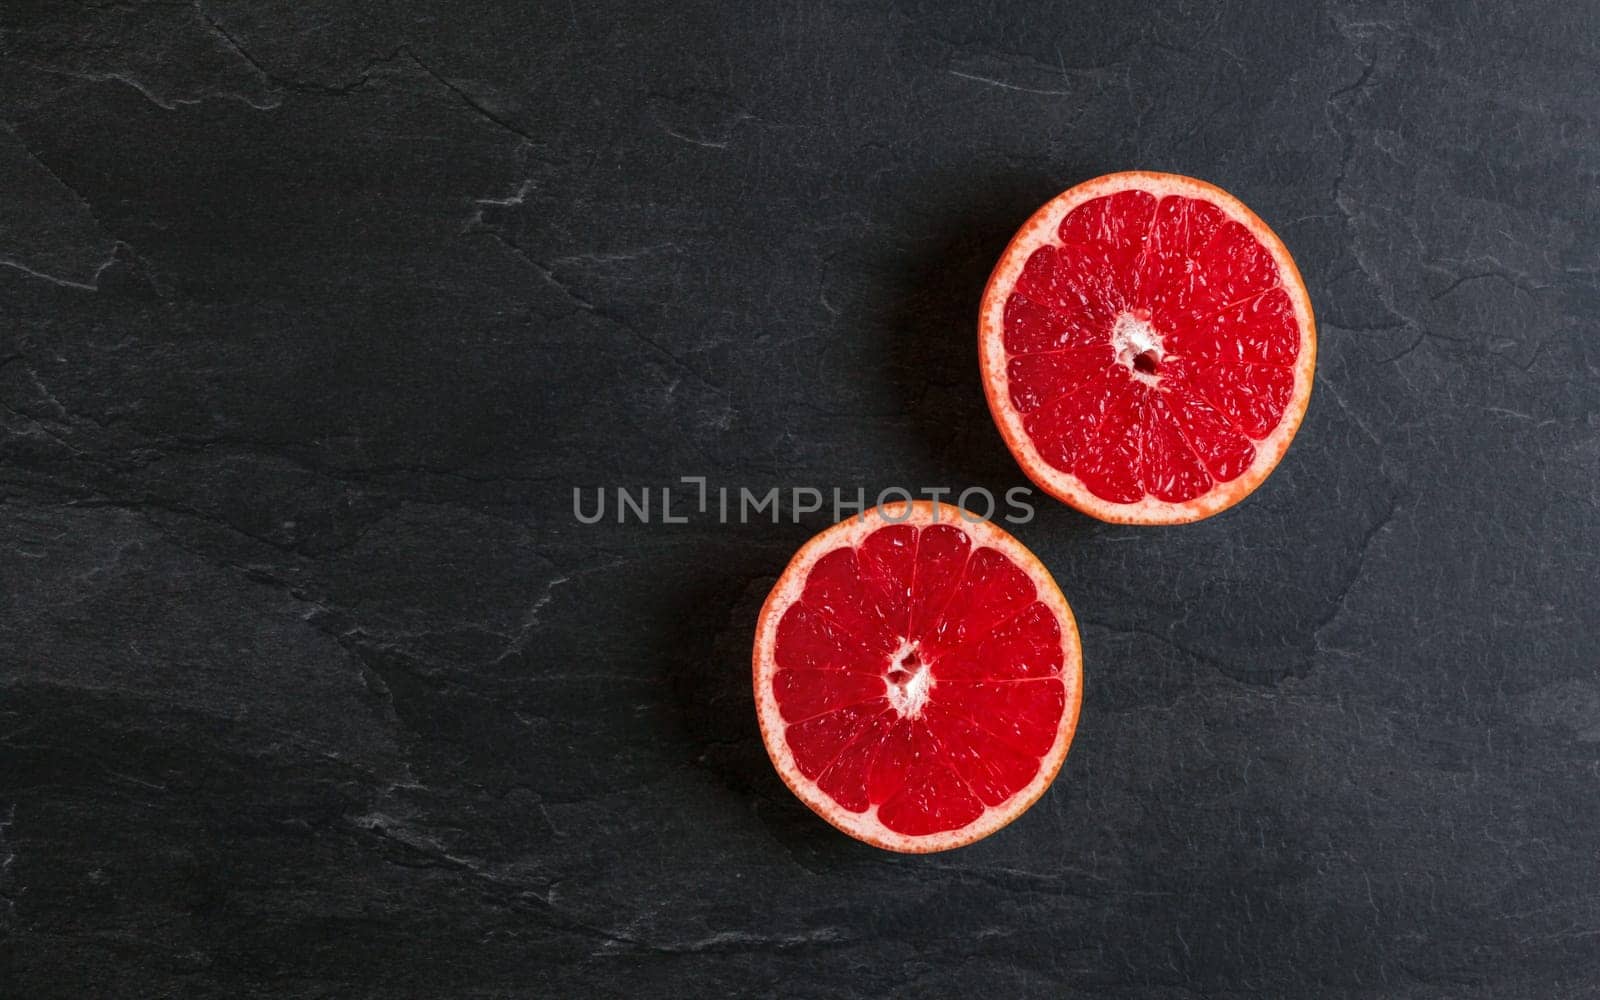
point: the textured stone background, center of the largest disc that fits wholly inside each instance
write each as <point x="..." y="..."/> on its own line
<point x="312" y="315"/>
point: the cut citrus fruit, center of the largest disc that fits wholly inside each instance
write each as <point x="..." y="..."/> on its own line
<point x="1147" y="348"/>
<point x="917" y="677"/>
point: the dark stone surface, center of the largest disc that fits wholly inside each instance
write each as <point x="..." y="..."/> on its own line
<point x="314" y="315"/>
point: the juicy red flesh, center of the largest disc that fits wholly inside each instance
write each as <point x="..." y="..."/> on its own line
<point x="1222" y="379"/>
<point x="992" y="652"/>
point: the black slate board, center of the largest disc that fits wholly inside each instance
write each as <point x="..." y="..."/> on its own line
<point x="315" y="315"/>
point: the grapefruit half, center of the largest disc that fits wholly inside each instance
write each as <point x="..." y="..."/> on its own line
<point x="917" y="677"/>
<point x="1147" y="348"/>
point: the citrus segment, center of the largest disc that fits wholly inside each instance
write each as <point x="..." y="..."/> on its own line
<point x="1147" y="348"/>
<point x="917" y="683"/>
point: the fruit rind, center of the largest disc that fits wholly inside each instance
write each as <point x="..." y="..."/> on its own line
<point x="1064" y="486"/>
<point x="865" y="826"/>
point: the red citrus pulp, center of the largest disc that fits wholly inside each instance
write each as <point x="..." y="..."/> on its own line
<point x="917" y="677"/>
<point x="1147" y="348"/>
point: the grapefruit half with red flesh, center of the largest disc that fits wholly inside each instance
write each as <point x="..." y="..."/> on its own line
<point x="917" y="677"/>
<point x="1147" y="348"/>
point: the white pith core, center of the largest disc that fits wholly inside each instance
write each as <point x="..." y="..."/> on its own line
<point x="1132" y="336"/>
<point x="908" y="681"/>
